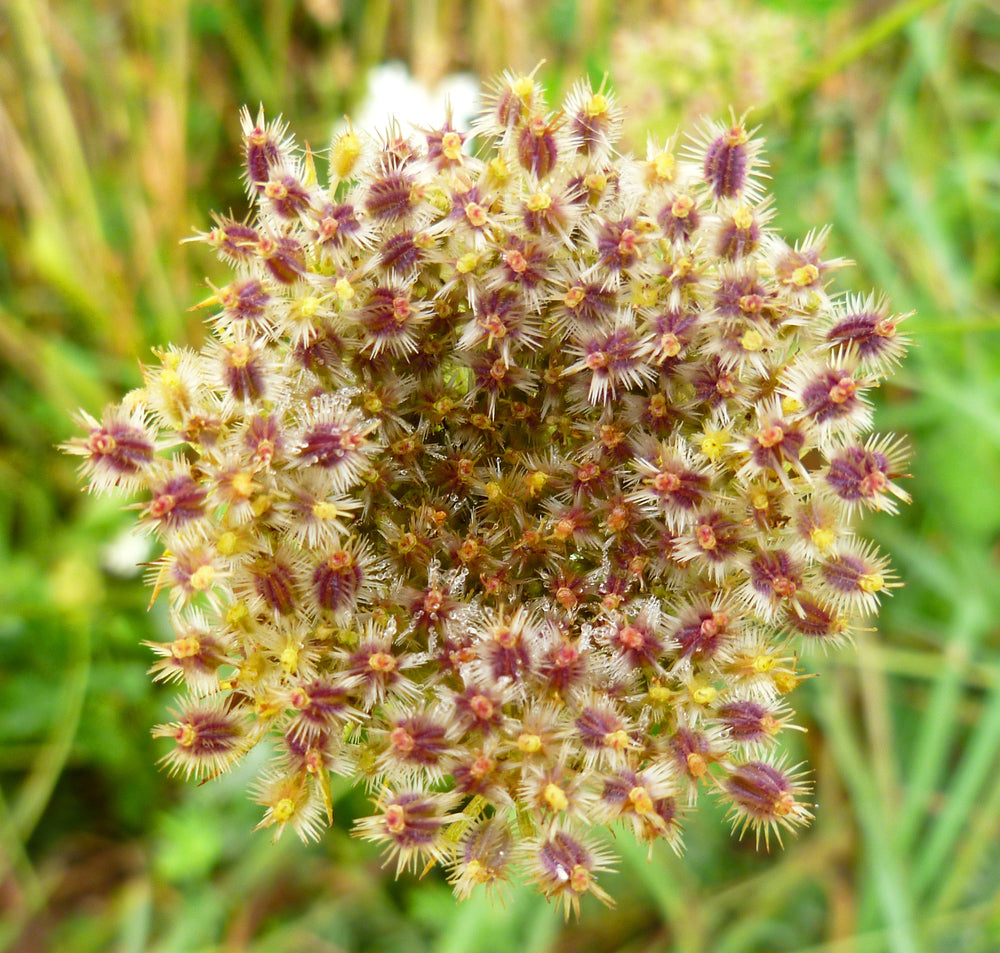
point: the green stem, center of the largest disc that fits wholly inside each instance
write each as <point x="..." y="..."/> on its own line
<point x="891" y="884"/>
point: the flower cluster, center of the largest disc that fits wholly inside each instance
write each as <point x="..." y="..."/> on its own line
<point x="509" y="485"/>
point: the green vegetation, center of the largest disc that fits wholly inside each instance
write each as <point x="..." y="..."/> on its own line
<point x="119" y="133"/>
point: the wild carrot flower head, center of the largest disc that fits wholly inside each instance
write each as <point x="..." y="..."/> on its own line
<point x="510" y="485"/>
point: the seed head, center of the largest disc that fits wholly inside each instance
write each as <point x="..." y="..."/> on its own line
<point x="510" y="486"/>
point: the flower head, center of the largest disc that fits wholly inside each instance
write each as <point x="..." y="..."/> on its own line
<point x="509" y="486"/>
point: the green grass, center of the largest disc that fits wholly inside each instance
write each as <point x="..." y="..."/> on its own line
<point x="118" y="134"/>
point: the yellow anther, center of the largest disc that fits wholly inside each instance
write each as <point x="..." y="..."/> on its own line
<point x="703" y="694"/>
<point x="743" y="218"/>
<point x="804" y="275"/>
<point x="343" y="289"/>
<point x="640" y="800"/>
<point x="242" y="484"/>
<point x="202" y="578"/>
<point x="466" y="263"/>
<point x="714" y="443"/>
<point x="752" y="340"/>
<point x="822" y="537"/>
<point x="308" y="307"/>
<point x="664" y="166"/>
<point x="290" y="658"/>
<point x="185" y="647"/>
<point x="325" y="510"/>
<point x="522" y="87"/>
<point x="529" y="743"/>
<point x="763" y="663"/>
<point x="871" y="582"/>
<point x="539" y="201"/>
<point x="344" y="154"/>
<point x="451" y="145"/>
<point x="555" y="797"/>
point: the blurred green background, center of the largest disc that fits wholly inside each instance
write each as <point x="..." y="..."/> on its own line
<point x="118" y="135"/>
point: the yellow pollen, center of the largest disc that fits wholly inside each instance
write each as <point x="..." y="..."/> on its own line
<point x="763" y="663"/>
<point x="574" y="296"/>
<point x="475" y="214"/>
<point x="478" y="872"/>
<point x="242" y="484"/>
<point x="283" y="810"/>
<point x="696" y="764"/>
<point x="260" y="505"/>
<point x="290" y="658"/>
<point x="670" y="345"/>
<point x="659" y="694"/>
<point x="759" y="499"/>
<point x="597" y="106"/>
<point x="682" y="206"/>
<point x="343" y="289"/>
<point x="784" y="805"/>
<point x="804" y="275"/>
<point x="703" y="694"/>
<point x="713" y="443"/>
<point x="239" y="355"/>
<point x="871" y="582"/>
<point x="641" y="802"/>
<point x="276" y="189"/>
<point x="536" y="481"/>
<point x="373" y="403"/>
<point x="743" y="218"/>
<point x="187" y="736"/>
<point x="202" y="578"/>
<point x="555" y="797"/>
<point x="618" y="740"/>
<point x="529" y="743"/>
<point x="170" y="379"/>
<point x="237" y="614"/>
<point x="466" y="263"/>
<point x="770" y="724"/>
<point x="308" y="307"/>
<point x="523" y="87"/>
<point x="790" y="405"/>
<point x="596" y="182"/>
<point x="451" y="145"/>
<point x="752" y="340"/>
<point x="186" y="647"/>
<point x="325" y="510"/>
<point x="499" y="169"/>
<point x="664" y="165"/>
<point x="579" y="879"/>
<point x="539" y="202"/>
<point x="344" y="154"/>
<point x="785" y="681"/>
<point x="822" y="537"/>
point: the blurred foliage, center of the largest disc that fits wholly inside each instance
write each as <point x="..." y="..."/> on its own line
<point x="118" y="131"/>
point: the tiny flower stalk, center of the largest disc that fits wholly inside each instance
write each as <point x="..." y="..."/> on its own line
<point x="510" y="485"/>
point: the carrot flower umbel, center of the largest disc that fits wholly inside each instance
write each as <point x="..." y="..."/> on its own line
<point x="509" y="485"/>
